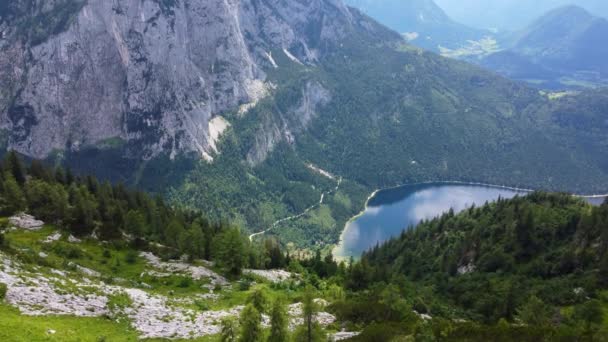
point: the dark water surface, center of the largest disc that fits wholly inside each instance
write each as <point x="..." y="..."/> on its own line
<point x="391" y="211"/>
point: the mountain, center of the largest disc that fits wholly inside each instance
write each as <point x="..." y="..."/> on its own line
<point x="153" y="73"/>
<point x="273" y="114"/>
<point x="422" y="22"/>
<point x="511" y="15"/>
<point x="562" y="46"/>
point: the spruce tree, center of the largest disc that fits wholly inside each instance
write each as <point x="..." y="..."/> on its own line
<point x="197" y="240"/>
<point x="46" y="201"/>
<point x="534" y="312"/>
<point x="13" y="195"/>
<point x="258" y="299"/>
<point x="38" y="171"/>
<point x="251" y="325"/>
<point x="229" y="251"/>
<point x="310" y="331"/>
<point x="229" y="330"/>
<point x="134" y="223"/>
<point x="60" y="175"/>
<point x="13" y="165"/>
<point x="84" y="212"/>
<point x="309" y="310"/>
<point x="278" y="323"/>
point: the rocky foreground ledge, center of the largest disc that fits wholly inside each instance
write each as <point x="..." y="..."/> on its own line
<point x="80" y="291"/>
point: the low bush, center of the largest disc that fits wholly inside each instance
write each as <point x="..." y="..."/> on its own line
<point x="3" y="289"/>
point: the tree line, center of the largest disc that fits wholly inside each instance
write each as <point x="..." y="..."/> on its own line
<point x="85" y="207"/>
<point x="521" y="268"/>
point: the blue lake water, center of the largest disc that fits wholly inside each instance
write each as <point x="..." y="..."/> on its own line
<point x="391" y="211"/>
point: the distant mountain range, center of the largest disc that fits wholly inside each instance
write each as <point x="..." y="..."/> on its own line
<point x="561" y="49"/>
<point x="565" y="47"/>
<point x="511" y="15"/>
<point x="422" y="22"/>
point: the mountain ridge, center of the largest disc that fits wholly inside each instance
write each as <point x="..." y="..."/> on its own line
<point x="131" y="88"/>
<point x="563" y="43"/>
<point x="422" y="22"/>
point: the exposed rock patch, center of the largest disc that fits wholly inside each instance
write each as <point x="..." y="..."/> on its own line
<point x="274" y="276"/>
<point x="344" y="335"/>
<point x="295" y="312"/>
<point x="196" y="272"/>
<point x="52" y="238"/>
<point x="153" y="316"/>
<point x="73" y="239"/>
<point x="36" y="295"/>
<point x="465" y="269"/>
<point x="217" y="126"/>
<point x="25" y="221"/>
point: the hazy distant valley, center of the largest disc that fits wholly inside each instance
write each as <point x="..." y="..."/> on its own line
<point x="557" y="50"/>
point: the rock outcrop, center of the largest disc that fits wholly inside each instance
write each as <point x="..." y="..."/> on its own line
<point x="152" y="73"/>
<point x="25" y="221"/>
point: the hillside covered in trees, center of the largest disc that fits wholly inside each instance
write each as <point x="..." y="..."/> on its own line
<point x="113" y="264"/>
<point x="85" y="207"/>
<point x="530" y="268"/>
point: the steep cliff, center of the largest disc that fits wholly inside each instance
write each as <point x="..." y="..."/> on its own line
<point x="150" y="72"/>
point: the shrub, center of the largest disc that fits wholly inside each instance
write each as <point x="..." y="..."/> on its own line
<point x="3" y="289"/>
<point x="244" y="285"/>
<point x="68" y="251"/>
<point x="106" y="254"/>
<point x="131" y="257"/>
<point x="201" y="305"/>
<point x="184" y="283"/>
<point x="119" y="301"/>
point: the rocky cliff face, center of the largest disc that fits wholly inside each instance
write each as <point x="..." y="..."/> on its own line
<point x="151" y="72"/>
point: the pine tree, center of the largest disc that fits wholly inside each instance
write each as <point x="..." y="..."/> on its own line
<point x="278" y="323"/>
<point x="523" y="234"/>
<point x="590" y="314"/>
<point x="229" y="330"/>
<point x="60" y="175"/>
<point x="84" y="211"/>
<point x="46" y="201"/>
<point x="251" y="325"/>
<point x="134" y="223"/>
<point x="38" y="171"/>
<point x="534" y="312"/>
<point x="13" y="165"/>
<point x="229" y="251"/>
<point x="258" y="299"/>
<point x="112" y="223"/>
<point x="310" y="331"/>
<point x="602" y="276"/>
<point x="173" y="233"/>
<point x="13" y="195"/>
<point x="69" y="177"/>
<point x="197" y="240"/>
<point x="309" y="310"/>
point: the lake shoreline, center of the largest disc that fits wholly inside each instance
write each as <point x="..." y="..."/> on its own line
<point x="337" y="246"/>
